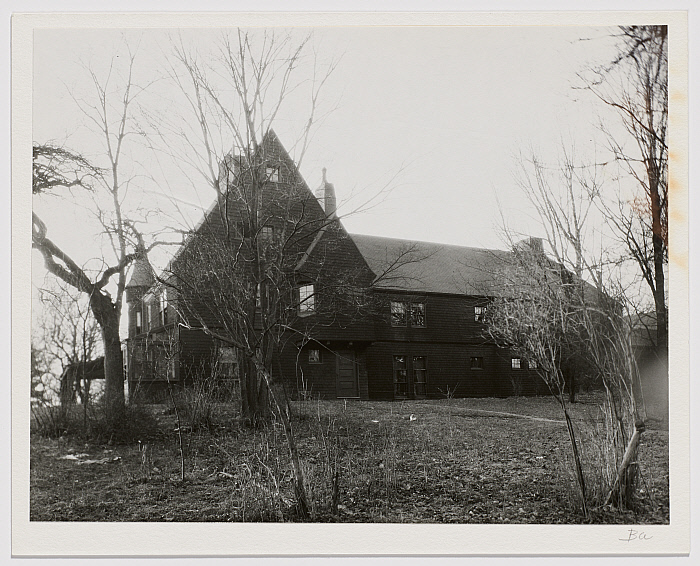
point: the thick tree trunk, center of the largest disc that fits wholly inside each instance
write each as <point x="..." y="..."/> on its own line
<point x="107" y="316"/>
<point x="659" y="276"/>
<point x="255" y="406"/>
<point x="114" y="372"/>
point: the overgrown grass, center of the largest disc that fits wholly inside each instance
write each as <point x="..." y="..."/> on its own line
<point x="90" y="424"/>
<point x="456" y="460"/>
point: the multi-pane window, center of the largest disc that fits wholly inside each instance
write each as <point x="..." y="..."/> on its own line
<point x="531" y="364"/>
<point x="400" y="377"/>
<point x="403" y="312"/>
<point x="476" y="362"/>
<point x="307" y="300"/>
<point x="515" y="363"/>
<point x="272" y="173"/>
<point x="479" y="314"/>
<point x="314" y="356"/>
<point x="418" y="314"/>
<point x="420" y="376"/>
<point x="398" y="313"/>
<point x="267" y="233"/>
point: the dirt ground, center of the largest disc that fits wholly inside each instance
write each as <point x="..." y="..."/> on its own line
<point x="449" y="461"/>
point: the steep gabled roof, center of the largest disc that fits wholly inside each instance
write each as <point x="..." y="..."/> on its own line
<point x="425" y="267"/>
<point x="271" y="145"/>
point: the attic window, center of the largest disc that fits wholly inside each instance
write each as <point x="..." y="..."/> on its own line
<point x="272" y="174"/>
<point x="515" y="363"/>
<point x="531" y="364"/>
<point x="307" y="300"/>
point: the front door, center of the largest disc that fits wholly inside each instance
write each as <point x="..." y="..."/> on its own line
<point x="347" y="374"/>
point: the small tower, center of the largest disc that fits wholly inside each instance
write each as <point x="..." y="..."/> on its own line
<point x="326" y="196"/>
<point x="139" y="283"/>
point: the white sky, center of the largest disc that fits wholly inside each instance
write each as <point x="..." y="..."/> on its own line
<point x="435" y="114"/>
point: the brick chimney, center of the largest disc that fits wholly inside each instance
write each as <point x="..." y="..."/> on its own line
<point x="326" y="196"/>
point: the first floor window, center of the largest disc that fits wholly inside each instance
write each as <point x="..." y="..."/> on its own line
<point x="515" y="363"/>
<point x="477" y="362"/>
<point x="420" y="376"/>
<point x="314" y="356"/>
<point x="400" y="377"/>
<point x="307" y="300"/>
<point x="398" y="313"/>
<point x="227" y="365"/>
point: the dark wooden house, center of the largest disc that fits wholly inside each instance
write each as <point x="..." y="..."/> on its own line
<point x="375" y="318"/>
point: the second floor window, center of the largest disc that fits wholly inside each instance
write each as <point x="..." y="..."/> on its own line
<point x="479" y="314"/>
<point x="398" y="313"/>
<point x="307" y="300"/>
<point x="418" y="314"/>
<point x="139" y="323"/>
<point x="402" y="313"/>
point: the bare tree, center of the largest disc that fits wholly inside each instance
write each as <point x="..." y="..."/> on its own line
<point x="564" y="308"/>
<point x="55" y="167"/>
<point x="537" y="317"/>
<point x="236" y="276"/>
<point x="69" y="336"/>
<point x="635" y="85"/>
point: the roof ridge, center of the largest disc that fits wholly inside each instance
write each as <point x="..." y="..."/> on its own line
<point x="408" y="241"/>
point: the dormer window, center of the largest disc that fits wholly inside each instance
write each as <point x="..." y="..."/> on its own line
<point x="307" y="300"/>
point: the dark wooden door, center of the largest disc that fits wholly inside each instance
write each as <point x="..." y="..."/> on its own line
<point x="347" y="374"/>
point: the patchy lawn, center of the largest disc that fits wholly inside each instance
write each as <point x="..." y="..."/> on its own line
<point x="450" y="461"/>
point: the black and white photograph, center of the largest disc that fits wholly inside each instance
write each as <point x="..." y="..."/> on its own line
<point x="409" y="274"/>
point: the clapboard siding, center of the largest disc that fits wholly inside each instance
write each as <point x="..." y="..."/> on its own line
<point x="352" y="298"/>
<point x="319" y="380"/>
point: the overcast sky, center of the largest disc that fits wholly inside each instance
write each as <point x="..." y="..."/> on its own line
<point x="436" y="114"/>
